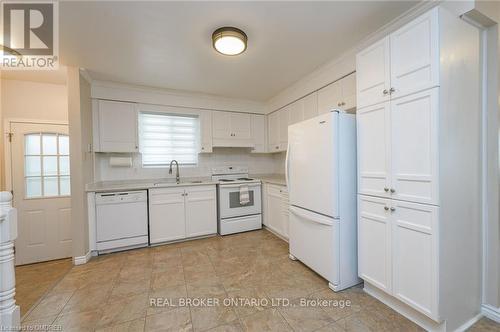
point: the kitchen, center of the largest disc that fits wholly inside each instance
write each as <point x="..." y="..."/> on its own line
<point x="357" y="183"/>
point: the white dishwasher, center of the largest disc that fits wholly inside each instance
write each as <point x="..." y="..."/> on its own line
<point x="122" y="220"/>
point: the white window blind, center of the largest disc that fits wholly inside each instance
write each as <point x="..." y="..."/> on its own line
<point x="164" y="137"/>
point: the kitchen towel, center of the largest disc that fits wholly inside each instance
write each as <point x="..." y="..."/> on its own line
<point x="244" y="195"/>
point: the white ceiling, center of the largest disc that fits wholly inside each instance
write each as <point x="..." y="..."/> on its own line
<point x="168" y="44"/>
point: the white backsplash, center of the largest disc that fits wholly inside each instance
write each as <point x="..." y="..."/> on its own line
<point x="257" y="164"/>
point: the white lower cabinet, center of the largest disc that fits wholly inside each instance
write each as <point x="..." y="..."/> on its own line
<point x="398" y="253"/>
<point x="178" y="213"/>
<point x="276" y="209"/>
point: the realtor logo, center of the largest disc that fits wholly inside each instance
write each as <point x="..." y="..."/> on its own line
<point x="30" y="36"/>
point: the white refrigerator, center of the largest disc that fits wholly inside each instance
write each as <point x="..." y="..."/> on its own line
<point x="321" y="178"/>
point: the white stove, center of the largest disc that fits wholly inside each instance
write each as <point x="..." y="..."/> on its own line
<point x="239" y="200"/>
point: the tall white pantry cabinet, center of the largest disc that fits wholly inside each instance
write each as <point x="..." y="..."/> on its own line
<point x="418" y="97"/>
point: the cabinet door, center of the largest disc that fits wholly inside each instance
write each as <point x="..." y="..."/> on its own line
<point x="166" y="215"/>
<point x="259" y="126"/>
<point x="310" y="105"/>
<point x="329" y="98"/>
<point x="348" y="87"/>
<point x="117" y="127"/>
<point x="201" y="211"/>
<point x="415" y="256"/>
<point x="374" y="241"/>
<point x="415" y="55"/>
<point x="373" y="74"/>
<point x="285" y="203"/>
<point x="374" y="163"/>
<point x="241" y="126"/>
<point x="221" y="125"/>
<point x="284" y="121"/>
<point x="414" y="148"/>
<point x="274" y="139"/>
<point x="205" y="131"/>
<point x="275" y="219"/>
<point x="296" y="112"/>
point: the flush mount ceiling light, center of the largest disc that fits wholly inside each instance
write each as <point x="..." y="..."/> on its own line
<point x="229" y="41"/>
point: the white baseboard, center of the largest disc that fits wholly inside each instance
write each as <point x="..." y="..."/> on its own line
<point x="79" y="260"/>
<point x="469" y="323"/>
<point x="491" y="312"/>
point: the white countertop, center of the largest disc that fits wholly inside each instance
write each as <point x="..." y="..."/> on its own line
<point x="123" y="185"/>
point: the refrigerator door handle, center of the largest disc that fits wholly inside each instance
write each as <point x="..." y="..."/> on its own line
<point x="287" y="166"/>
<point x="320" y="219"/>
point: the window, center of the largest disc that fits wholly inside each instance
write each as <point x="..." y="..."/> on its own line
<point x="164" y="137"/>
<point x="46" y="165"/>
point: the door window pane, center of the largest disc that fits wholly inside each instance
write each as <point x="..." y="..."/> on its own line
<point x="49" y="144"/>
<point x="46" y="165"/>
<point x="33" y="187"/>
<point x="49" y="166"/>
<point x="32" y="166"/>
<point x="32" y="144"/>
<point x="50" y="186"/>
<point x="65" y="185"/>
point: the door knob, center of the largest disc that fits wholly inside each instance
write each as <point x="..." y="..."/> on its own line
<point x="391" y="90"/>
<point x="393" y="190"/>
<point x="386" y="208"/>
<point x="385" y="92"/>
<point x="393" y="209"/>
<point x="386" y="189"/>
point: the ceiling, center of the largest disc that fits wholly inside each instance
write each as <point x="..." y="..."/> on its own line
<point x="168" y="44"/>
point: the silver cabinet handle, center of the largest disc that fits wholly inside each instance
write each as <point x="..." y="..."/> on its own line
<point x="385" y="92"/>
<point x="386" y="208"/>
<point x="393" y="209"/>
<point x="391" y="90"/>
<point x="393" y="190"/>
<point x="339" y="104"/>
<point x="386" y="189"/>
<point x="343" y="103"/>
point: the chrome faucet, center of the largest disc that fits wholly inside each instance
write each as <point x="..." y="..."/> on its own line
<point x="177" y="177"/>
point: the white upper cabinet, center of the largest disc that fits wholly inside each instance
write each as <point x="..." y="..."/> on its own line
<point x="405" y="62"/>
<point x="310" y="105"/>
<point x="338" y="95"/>
<point x="116" y="127"/>
<point x="329" y="98"/>
<point x="231" y="129"/>
<point x="273" y="132"/>
<point x="284" y="121"/>
<point x="414" y="147"/>
<point x="373" y="74"/>
<point x="374" y="159"/>
<point x="415" y="56"/>
<point x="296" y="112"/>
<point x="259" y="132"/>
<point x="205" y="131"/>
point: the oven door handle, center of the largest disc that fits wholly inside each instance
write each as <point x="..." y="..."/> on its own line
<point x="250" y="185"/>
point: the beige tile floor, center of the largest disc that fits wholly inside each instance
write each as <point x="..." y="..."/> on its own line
<point x="34" y="280"/>
<point x="113" y="292"/>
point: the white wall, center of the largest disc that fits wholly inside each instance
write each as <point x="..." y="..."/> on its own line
<point x="257" y="164"/>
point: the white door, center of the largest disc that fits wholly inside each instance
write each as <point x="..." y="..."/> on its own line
<point x="374" y="161"/>
<point x="273" y="132"/>
<point x="310" y="105"/>
<point x="166" y="215"/>
<point x="241" y="125"/>
<point x="373" y="74"/>
<point x="348" y="87"/>
<point x="415" y="55"/>
<point x="117" y="126"/>
<point x="284" y="121"/>
<point x="312" y="164"/>
<point x="275" y="218"/>
<point x="329" y="98"/>
<point x="414" y="148"/>
<point x="201" y="211"/>
<point x="221" y="125"/>
<point x="41" y="186"/>
<point x="415" y="255"/>
<point x="374" y="241"/>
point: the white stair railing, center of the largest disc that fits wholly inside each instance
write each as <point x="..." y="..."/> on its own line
<point x="9" y="311"/>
